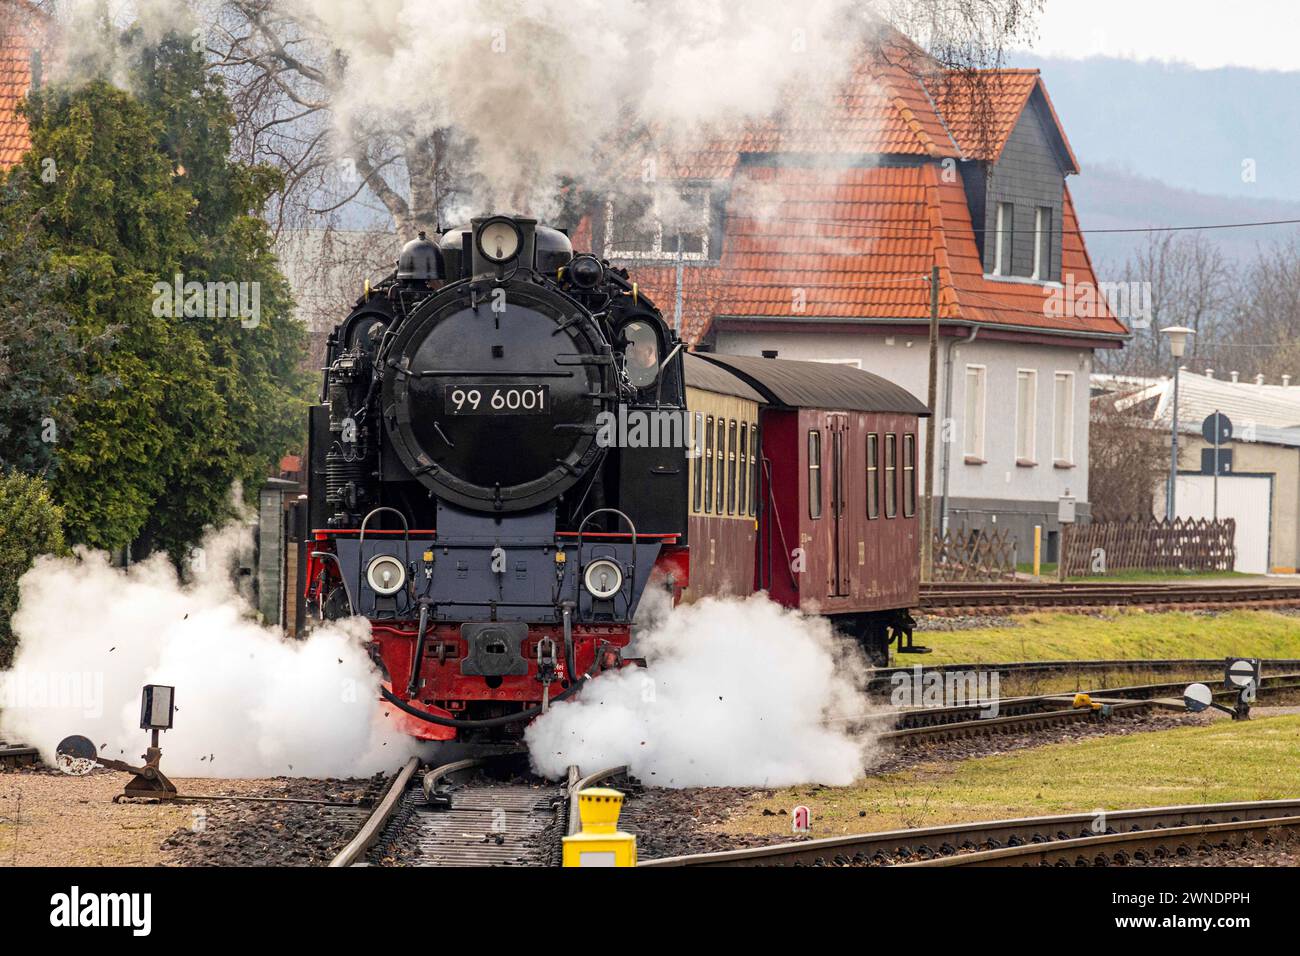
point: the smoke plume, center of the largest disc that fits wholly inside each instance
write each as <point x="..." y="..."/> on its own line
<point x="736" y="693"/>
<point x="249" y="702"/>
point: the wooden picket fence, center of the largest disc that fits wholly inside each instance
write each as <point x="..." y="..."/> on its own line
<point x="974" y="555"/>
<point x="1184" y="544"/>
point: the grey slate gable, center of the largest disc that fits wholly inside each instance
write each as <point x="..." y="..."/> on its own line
<point x="1030" y="173"/>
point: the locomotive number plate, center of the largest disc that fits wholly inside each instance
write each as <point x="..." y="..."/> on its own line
<point x="497" y="399"/>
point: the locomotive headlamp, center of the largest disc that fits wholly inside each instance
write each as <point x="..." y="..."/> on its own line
<point x="585" y="271"/>
<point x="386" y="575"/>
<point x="604" y="578"/>
<point x="499" y="240"/>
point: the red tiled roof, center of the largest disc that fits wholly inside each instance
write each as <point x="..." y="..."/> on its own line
<point x="842" y="239"/>
<point x="858" y="244"/>
<point x="981" y="109"/>
<point x="881" y="108"/>
<point x="18" y="25"/>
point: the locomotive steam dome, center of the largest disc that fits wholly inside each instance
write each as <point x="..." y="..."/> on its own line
<point x="491" y="394"/>
<point x="420" y="260"/>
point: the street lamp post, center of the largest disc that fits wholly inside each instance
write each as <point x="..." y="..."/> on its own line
<point x="1178" y="335"/>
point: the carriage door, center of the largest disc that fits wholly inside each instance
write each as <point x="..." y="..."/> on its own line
<point x="839" y="564"/>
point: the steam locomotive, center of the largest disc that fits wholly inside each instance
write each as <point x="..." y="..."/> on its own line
<point x="512" y="446"/>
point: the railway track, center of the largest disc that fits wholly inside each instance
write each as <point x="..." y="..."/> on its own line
<point x="925" y="725"/>
<point x="1115" y="837"/>
<point x="474" y="812"/>
<point x="17" y="755"/>
<point x="957" y="598"/>
<point x="883" y="677"/>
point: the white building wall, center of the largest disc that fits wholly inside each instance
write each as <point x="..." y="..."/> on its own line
<point x="999" y="482"/>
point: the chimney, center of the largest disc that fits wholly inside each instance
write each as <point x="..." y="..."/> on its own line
<point x="1286" y="381"/>
<point x="1234" y="377"/>
<point x="1209" y="373"/>
<point x="1259" y="379"/>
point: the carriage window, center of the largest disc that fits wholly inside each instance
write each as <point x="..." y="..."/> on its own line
<point x="697" y="461"/>
<point x="720" y="501"/>
<point x="891" y="475"/>
<point x="814" y="473"/>
<point x="641" y="355"/>
<point x="742" y="485"/>
<point x="873" y="476"/>
<point x="731" y="467"/>
<point x="753" y="470"/>
<point x="909" y="475"/>
<point x="707" y="461"/>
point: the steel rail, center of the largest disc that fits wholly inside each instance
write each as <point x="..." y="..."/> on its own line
<point x="378" y="818"/>
<point x="1103" y="847"/>
<point x="577" y="785"/>
<point x="949" y="839"/>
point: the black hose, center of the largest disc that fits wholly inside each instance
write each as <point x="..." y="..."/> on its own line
<point x="526" y="714"/>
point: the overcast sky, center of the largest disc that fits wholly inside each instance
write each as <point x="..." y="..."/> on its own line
<point x="1264" y="34"/>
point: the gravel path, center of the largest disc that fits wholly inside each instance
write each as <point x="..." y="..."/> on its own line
<point x="48" y="818"/>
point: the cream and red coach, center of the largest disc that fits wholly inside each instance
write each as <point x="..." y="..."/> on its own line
<point x="806" y="488"/>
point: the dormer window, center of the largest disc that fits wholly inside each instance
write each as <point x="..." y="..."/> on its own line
<point x="664" y="227"/>
<point x="1002" y="238"/>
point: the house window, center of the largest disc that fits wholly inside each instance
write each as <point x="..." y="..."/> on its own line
<point x="1042" y="242"/>
<point x="1003" y="234"/>
<point x="698" y="461"/>
<point x="873" y="476"/>
<point x="720" y="501"/>
<point x="708" y="466"/>
<point x="973" y="423"/>
<point x="753" y="470"/>
<point x="741" y="484"/>
<point x="891" y="475"/>
<point x="1063" y="427"/>
<point x="909" y="475"/>
<point x="1026" y="415"/>
<point x="731" y="467"/>
<point x="814" y="473"/>
<point x="646" y="230"/>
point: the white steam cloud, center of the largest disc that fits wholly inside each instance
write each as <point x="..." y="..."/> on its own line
<point x="547" y="89"/>
<point x="736" y="693"/>
<point x="249" y="702"/>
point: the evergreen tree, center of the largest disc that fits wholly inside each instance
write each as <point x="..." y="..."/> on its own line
<point x="175" y="408"/>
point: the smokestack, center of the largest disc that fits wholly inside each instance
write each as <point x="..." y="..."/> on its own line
<point x="1286" y="381"/>
<point x="1234" y="377"/>
<point x="1209" y="373"/>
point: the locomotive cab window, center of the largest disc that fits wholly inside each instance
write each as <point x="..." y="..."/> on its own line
<point x="909" y="475"/>
<point x="707" y="461"/>
<point x="641" y="354"/>
<point x="891" y="475"/>
<point x="814" y="474"/>
<point x="873" y="476"/>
